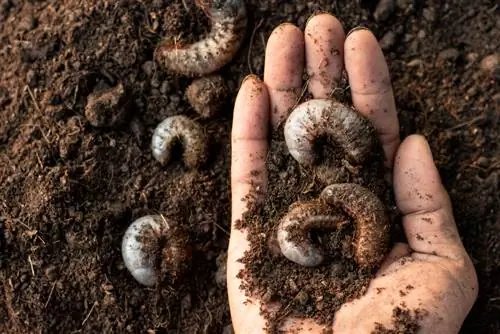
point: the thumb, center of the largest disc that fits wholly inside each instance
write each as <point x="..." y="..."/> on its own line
<point x="427" y="214"/>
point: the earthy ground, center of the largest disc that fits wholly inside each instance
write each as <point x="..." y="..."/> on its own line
<point x="70" y="189"/>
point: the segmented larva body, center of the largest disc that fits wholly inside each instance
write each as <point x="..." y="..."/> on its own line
<point x="320" y="118"/>
<point x="338" y="203"/>
<point x="293" y="231"/>
<point x="137" y="259"/>
<point x="183" y="130"/>
<point x="154" y="237"/>
<point x="229" y="21"/>
<point x="372" y="223"/>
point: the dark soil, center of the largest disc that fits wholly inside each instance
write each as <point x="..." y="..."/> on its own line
<point x="70" y="189"/>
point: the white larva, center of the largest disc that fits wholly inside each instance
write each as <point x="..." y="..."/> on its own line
<point x="138" y="261"/>
<point x="180" y="129"/>
<point x="319" y="118"/>
<point x="229" y="21"/>
<point x="293" y="231"/>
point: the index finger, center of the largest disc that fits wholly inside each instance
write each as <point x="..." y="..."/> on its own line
<point x="248" y="171"/>
<point x="371" y="88"/>
<point x="249" y="142"/>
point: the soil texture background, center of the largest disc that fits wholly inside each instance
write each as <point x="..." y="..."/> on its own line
<point x="69" y="189"/>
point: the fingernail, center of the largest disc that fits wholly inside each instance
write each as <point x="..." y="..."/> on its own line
<point x="425" y="144"/>
<point x="319" y="12"/>
<point x="356" y="29"/>
<point x="253" y="77"/>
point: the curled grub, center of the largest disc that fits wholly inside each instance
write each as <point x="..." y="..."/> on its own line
<point x="293" y="230"/>
<point x="324" y="120"/>
<point x="372" y="224"/>
<point x="229" y="20"/>
<point x="207" y="95"/>
<point x="152" y="240"/>
<point x="184" y="131"/>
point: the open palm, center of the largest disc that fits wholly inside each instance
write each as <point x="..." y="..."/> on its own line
<point x="432" y="275"/>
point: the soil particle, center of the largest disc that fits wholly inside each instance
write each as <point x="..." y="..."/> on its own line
<point x="388" y="40"/>
<point x="491" y="65"/>
<point x="207" y="95"/>
<point x="384" y="10"/>
<point x="108" y="107"/>
<point x="404" y="321"/>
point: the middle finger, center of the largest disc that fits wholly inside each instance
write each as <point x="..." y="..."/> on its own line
<point x="324" y="43"/>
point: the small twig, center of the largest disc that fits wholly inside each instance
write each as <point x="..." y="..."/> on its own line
<point x="222" y="229"/>
<point x="88" y="315"/>
<point x="470" y="122"/>
<point x="210" y="317"/>
<point x="302" y="93"/>
<point x="31" y="265"/>
<point x="32" y="98"/>
<point x="186" y="6"/>
<point x="50" y="295"/>
<point x="252" y="37"/>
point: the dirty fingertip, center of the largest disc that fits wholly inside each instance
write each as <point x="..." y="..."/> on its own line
<point x="358" y="28"/>
<point x="283" y="69"/>
<point x="324" y="42"/>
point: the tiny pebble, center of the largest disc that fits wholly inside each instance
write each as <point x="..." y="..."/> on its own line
<point x="148" y="67"/>
<point x="482" y="161"/>
<point x="429" y="14"/>
<point x="415" y="62"/>
<point x="388" y="40"/>
<point x="491" y="64"/>
<point x="165" y="87"/>
<point x="186" y="302"/>
<point x="405" y="5"/>
<point x="448" y="54"/>
<point x="472" y="57"/>
<point x="384" y="10"/>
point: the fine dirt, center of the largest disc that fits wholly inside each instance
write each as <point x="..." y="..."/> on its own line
<point x="70" y="189"/>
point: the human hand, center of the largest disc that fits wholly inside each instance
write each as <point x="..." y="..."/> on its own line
<point x="433" y="272"/>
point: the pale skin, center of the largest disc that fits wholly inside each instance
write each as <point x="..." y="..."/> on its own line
<point x="433" y="262"/>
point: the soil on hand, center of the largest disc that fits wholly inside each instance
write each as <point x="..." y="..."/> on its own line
<point x="307" y="292"/>
<point x="71" y="188"/>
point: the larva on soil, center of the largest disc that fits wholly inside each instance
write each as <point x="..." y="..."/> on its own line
<point x="229" y="21"/>
<point x="182" y="130"/>
<point x="148" y="238"/>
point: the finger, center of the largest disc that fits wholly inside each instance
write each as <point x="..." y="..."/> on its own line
<point x="324" y="45"/>
<point x="427" y="214"/>
<point x="371" y="87"/>
<point x="283" y="69"/>
<point x="248" y="171"/>
<point x="249" y="140"/>
<point x="399" y="251"/>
